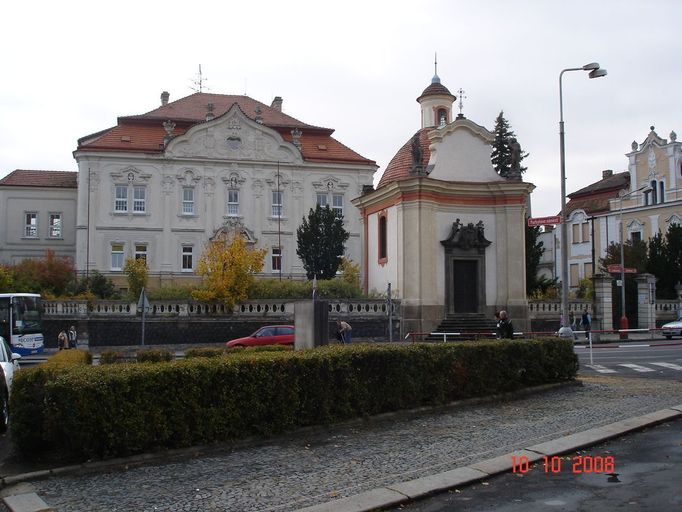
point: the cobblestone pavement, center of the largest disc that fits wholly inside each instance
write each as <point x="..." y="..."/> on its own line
<point x="316" y="466"/>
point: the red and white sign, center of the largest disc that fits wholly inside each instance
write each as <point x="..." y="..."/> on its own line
<point x="543" y="221"/>
<point x="615" y="269"/>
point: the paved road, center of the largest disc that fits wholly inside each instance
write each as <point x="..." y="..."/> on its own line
<point x="647" y="477"/>
<point x="652" y="359"/>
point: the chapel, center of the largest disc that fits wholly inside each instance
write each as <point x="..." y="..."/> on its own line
<point x="443" y="227"/>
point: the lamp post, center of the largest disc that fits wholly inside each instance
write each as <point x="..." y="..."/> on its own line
<point x="594" y="72"/>
<point x="623" y="316"/>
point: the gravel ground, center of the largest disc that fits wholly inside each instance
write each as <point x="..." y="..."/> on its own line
<point x="319" y="465"/>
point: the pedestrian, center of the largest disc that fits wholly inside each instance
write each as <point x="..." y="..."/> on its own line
<point x="497" y="323"/>
<point x="62" y="340"/>
<point x="572" y="321"/>
<point x="73" y="337"/>
<point x="586" y="321"/>
<point x="345" y="330"/>
<point x="505" y="328"/>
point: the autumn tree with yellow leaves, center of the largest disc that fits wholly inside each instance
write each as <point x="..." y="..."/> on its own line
<point x="227" y="269"/>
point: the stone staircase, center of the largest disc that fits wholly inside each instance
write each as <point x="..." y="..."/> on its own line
<point x="470" y="325"/>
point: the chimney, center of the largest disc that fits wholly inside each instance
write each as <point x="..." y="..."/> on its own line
<point x="209" y="112"/>
<point x="277" y="103"/>
<point x="164" y="98"/>
<point x="607" y="173"/>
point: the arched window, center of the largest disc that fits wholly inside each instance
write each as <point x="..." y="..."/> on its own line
<point x="442" y="117"/>
<point x="383" y="239"/>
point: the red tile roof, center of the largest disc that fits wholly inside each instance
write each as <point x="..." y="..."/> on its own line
<point x="594" y="198"/>
<point x="145" y="133"/>
<point x="34" y="178"/>
<point x="436" y="89"/>
<point x="401" y="164"/>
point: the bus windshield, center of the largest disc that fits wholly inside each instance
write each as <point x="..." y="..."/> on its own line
<point x="26" y="312"/>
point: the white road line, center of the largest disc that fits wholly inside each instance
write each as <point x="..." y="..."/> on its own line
<point x="669" y="365"/>
<point x="637" y="367"/>
<point x="601" y="369"/>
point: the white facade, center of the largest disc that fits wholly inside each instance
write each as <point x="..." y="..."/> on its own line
<point x="230" y="172"/>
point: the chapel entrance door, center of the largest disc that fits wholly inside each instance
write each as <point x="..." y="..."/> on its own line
<point x="465" y="286"/>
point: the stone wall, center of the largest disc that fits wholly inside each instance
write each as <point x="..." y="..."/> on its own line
<point x="118" y="324"/>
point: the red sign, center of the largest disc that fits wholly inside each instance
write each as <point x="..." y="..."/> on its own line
<point x="615" y="269"/>
<point x="542" y="221"/>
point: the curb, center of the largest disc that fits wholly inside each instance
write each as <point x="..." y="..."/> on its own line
<point x="403" y="492"/>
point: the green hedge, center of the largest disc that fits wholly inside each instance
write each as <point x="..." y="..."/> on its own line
<point x="113" y="410"/>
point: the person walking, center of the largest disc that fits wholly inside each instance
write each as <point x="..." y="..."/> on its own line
<point x="62" y="340"/>
<point x="586" y="322"/>
<point x="345" y="330"/>
<point x="73" y="337"/>
<point x="505" y="327"/>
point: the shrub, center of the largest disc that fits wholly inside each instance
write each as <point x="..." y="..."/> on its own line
<point x="170" y="293"/>
<point x="136" y="272"/>
<point x="65" y="358"/>
<point x="115" y="410"/>
<point x="111" y="357"/>
<point x="154" y="356"/>
<point x="205" y="352"/>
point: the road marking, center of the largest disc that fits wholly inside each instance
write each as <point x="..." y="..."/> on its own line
<point x="637" y="367"/>
<point x="599" y="368"/>
<point x="669" y="365"/>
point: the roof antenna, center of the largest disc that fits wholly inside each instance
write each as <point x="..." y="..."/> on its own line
<point x="461" y="105"/>
<point x="199" y="82"/>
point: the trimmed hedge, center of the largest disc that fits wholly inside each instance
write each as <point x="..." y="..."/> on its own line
<point x="114" y="410"/>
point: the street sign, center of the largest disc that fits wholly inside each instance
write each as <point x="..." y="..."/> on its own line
<point x="615" y="269"/>
<point x="543" y="221"/>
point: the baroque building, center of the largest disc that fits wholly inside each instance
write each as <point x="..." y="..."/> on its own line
<point x="160" y="185"/>
<point x="647" y="198"/>
<point x="443" y="227"/>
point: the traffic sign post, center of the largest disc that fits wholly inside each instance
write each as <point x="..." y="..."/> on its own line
<point x="543" y="221"/>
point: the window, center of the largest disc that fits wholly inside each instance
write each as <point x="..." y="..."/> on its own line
<point x="442" y="117"/>
<point x="575" y="275"/>
<point x="661" y="187"/>
<point x="636" y="236"/>
<point x="337" y="204"/>
<point x="31" y="225"/>
<point x="121" y="201"/>
<point x="55" y="226"/>
<point x="276" y="259"/>
<point x="233" y="203"/>
<point x="277" y="198"/>
<point x="188" y="201"/>
<point x="588" y="270"/>
<point x="322" y="200"/>
<point x="116" y="256"/>
<point x="139" y="199"/>
<point x="586" y="231"/>
<point x="575" y="231"/>
<point x="141" y="252"/>
<point x="383" y="254"/>
<point x="187" y="260"/>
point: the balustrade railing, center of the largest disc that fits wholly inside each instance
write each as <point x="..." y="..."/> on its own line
<point x="169" y="308"/>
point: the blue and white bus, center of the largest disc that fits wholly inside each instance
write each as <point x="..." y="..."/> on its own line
<point x="21" y="322"/>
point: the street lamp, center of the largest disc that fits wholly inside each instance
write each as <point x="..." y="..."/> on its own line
<point x="594" y="72"/>
<point x="623" y="316"/>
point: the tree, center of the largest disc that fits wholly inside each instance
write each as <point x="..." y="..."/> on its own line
<point x="534" y="251"/>
<point x="102" y="287"/>
<point x="136" y="270"/>
<point x="501" y="156"/>
<point x="657" y="264"/>
<point x="634" y="255"/>
<point x="321" y="240"/>
<point x="227" y="269"/>
<point x="52" y="275"/>
<point x="6" y="279"/>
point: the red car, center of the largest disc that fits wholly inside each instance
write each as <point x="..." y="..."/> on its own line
<point x="268" y="335"/>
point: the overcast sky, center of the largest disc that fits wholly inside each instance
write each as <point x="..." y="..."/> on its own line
<point x="71" y="68"/>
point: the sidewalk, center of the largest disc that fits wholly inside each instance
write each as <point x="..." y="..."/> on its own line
<point x="363" y="464"/>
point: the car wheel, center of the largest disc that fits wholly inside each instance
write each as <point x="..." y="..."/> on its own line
<point x="669" y="337"/>
<point x="4" y="412"/>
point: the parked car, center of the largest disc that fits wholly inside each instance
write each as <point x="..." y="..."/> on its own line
<point x="673" y="328"/>
<point x="268" y="335"/>
<point x="9" y="362"/>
